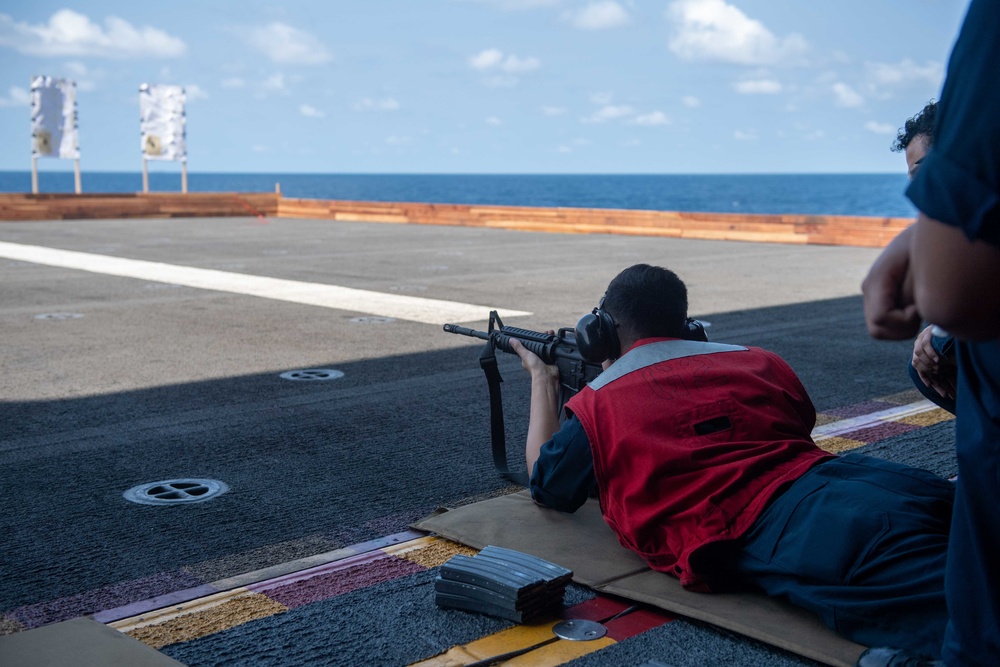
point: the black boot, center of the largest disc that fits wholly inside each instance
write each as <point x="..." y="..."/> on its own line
<point x="895" y="657"/>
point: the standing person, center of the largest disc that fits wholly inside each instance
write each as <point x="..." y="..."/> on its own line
<point x="932" y="365"/>
<point x="946" y="269"/>
<point x="705" y="467"/>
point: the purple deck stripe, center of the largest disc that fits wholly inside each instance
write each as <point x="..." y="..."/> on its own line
<point x="89" y="602"/>
<point x="152" y="604"/>
<point x="879" y="432"/>
<point x="301" y="575"/>
<point x="366" y="550"/>
<point x="331" y="584"/>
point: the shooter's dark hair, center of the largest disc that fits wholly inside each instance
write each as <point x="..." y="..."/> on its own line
<point x="647" y="302"/>
<point x="920" y="125"/>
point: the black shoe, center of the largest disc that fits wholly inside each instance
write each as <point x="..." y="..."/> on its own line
<point x="895" y="657"/>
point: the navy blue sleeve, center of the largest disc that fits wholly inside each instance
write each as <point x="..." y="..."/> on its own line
<point x="563" y="477"/>
<point x="959" y="182"/>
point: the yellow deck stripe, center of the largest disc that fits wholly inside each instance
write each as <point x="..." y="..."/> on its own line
<point x="514" y="639"/>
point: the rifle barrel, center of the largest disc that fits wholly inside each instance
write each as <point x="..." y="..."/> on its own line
<point x="465" y="331"/>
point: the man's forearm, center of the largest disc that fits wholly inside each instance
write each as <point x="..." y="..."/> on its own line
<point x="888" y="296"/>
<point x="956" y="281"/>
<point x="543" y="419"/>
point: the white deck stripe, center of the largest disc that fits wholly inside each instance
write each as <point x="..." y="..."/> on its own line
<point x="417" y="309"/>
<point x="842" y="426"/>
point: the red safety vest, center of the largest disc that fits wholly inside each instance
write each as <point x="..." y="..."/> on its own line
<point x="690" y="441"/>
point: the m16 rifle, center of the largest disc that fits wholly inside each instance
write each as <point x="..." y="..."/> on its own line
<point x="559" y="349"/>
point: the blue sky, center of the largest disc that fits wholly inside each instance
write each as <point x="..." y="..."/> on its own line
<point x="487" y="86"/>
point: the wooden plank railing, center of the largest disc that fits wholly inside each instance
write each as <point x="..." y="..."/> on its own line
<point x="135" y="205"/>
<point x="802" y="229"/>
<point x="798" y="229"/>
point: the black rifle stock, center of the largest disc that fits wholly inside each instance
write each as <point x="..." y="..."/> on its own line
<point x="559" y="349"/>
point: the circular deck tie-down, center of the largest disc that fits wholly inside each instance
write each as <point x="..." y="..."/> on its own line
<point x="579" y="630"/>
<point x="176" y="491"/>
<point x="312" y="374"/>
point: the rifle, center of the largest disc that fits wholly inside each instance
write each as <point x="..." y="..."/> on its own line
<point x="559" y="348"/>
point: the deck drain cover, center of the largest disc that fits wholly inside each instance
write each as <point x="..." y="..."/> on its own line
<point x="372" y="319"/>
<point x="176" y="491"/>
<point x="313" y="374"/>
<point x="58" y="316"/>
<point x="580" y="630"/>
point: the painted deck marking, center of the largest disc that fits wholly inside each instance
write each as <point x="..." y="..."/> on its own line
<point x="416" y="309"/>
<point x="846" y="426"/>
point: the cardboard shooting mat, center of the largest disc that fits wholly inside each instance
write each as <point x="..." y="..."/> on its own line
<point x="583" y="543"/>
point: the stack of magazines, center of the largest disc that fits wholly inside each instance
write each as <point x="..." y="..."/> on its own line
<point x="504" y="583"/>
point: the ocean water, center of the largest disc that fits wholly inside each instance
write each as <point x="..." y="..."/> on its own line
<point x="811" y="194"/>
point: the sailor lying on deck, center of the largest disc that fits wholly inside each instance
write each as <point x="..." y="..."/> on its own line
<point x="705" y="467"/>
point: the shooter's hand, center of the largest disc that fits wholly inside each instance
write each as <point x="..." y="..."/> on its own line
<point x="532" y="363"/>
<point x="935" y="370"/>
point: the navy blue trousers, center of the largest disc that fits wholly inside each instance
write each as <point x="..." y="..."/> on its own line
<point x="863" y="543"/>
<point x="973" y="579"/>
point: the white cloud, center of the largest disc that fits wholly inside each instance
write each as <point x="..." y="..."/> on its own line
<point x="716" y="31"/>
<point x="847" y="97"/>
<point x="493" y="120"/>
<point x="492" y="59"/>
<point x="880" y="128"/>
<point x="905" y="72"/>
<point x="383" y="104"/>
<point x="579" y="141"/>
<point x="193" y="92"/>
<point x="749" y="135"/>
<point x="486" y="59"/>
<point x="502" y="71"/>
<point x="515" y="65"/>
<point x="691" y="102"/>
<point x="310" y="111"/>
<point x="553" y="111"/>
<point x="274" y="84"/>
<point x="233" y="82"/>
<point x="69" y="33"/>
<point x="284" y="44"/>
<point x="599" y="15"/>
<point x="609" y="112"/>
<point x="394" y="140"/>
<point x="16" y="97"/>
<point x="601" y="98"/>
<point x="757" y="87"/>
<point x="883" y="79"/>
<point x="84" y="76"/>
<point x="651" y="119"/>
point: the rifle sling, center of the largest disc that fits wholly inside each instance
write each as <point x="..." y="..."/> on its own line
<point x="498" y="440"/>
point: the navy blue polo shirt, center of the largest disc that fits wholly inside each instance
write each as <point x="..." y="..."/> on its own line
<point x="563" y="477"/>
<point x="959" y="185"/>
<point x="959" y="181"/>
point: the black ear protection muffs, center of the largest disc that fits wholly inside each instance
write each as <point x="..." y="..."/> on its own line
<point x="597" y="335"/>
<point x="694" y="330"/>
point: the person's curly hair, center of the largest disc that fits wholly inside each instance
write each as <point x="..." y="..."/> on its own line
<point x="921" y="124"/>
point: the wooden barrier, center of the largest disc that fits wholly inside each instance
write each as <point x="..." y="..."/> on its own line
<point x="137" y="205"/>
<point x="863" y="231"/>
